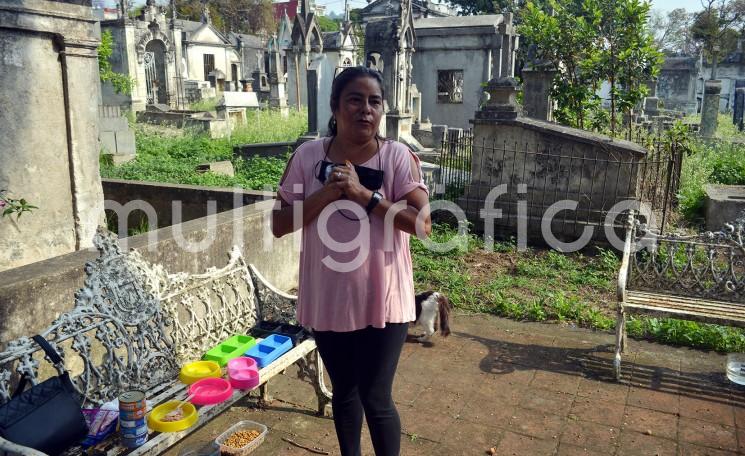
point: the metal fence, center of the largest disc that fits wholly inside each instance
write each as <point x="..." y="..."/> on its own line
<point x="539" y="175"/>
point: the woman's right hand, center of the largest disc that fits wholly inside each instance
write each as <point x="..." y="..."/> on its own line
<point x="333" y="188"/>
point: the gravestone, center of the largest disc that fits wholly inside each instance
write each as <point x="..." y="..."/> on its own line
<point x="739" y="105"/>
<point x="651" y="106"/>
<point x="710" y="111"/>
<point x="724" y="203"/>
<point x="537" y="85"/>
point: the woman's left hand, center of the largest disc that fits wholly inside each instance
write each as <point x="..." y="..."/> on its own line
<point x="349" y="183"/>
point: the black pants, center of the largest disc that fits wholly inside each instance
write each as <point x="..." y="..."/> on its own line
<point x="361" y="365"/>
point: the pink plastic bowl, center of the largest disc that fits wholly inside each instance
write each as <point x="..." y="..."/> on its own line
<point x="241" y="363"/>
<point x="243" y="373"/>
<point x="210" y="391"/>
<point x="245" y="379"/>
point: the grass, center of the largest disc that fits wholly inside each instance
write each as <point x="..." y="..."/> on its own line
<point x="544" y="285"/>
<point x="171" y="156"/>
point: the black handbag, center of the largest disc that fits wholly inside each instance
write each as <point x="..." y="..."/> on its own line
<point x="47" y="416"/>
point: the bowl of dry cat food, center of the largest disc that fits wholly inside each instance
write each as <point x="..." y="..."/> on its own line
<point x="242" y="438"/>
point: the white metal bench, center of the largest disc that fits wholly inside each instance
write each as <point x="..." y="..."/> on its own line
<point x="134" y="325"/>
<point x="699" y="278"/>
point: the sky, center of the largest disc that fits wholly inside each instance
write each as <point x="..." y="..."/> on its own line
<point x="669" y="5"/>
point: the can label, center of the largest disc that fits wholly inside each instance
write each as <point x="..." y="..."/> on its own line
<point x="132" y="400"/>
<point x="133" y="415"/>
<point x="133" y="432"/>
<point x="132" y="423"/>
<point x="134" y="442"/>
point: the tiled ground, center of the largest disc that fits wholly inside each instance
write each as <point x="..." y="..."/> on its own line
<point x="528" y="389"/>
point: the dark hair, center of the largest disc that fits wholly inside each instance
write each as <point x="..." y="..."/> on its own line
<point x="341" y="81"/>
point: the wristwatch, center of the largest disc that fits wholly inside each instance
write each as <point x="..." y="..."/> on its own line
<point x="374" y="200"/>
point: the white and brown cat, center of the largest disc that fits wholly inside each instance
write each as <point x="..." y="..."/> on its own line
<point x="432" y="307"/>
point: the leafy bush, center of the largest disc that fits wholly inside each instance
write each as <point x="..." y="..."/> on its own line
<point x="715" y="163"/>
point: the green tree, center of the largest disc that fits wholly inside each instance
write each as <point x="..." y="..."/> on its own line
<point x="121" y="82"/>
<point x="672" y="32"/>
<point x="715" y="28"/>
<point x="567" y="42"/>
<point x="587" y="44"/>
<point x="327" y="24"/>
<point x="239" y="16"/>
<point x="627" y="57"/>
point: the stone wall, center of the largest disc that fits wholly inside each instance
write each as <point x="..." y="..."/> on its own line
<point x="32" y="296"/>
<point x="264" y="150"/>
<point x="193" y="200"/>
<point x="529" y="166"/>
<point x="48" y="128"/>
<point x="479" y="46"/>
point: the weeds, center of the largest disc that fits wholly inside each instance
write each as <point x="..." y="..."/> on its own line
<point x="549" y="286"/>
<point x="713" y="163"/>
<point x="173" y="159"/>
<point x="207" y="104"/>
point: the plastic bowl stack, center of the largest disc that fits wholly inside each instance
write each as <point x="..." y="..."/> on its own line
<point x="243" y="373"/>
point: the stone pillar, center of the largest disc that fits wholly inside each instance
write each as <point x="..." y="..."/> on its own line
<point x="652" y="86"/>
<point x="277" y="80"/>
<point x="537" y="84"/>
<point x="48" y="128"/>
<point x="739" y="108"/>
<point x="502" y="104"/>
<point x="710" y="111"/>
<point x="313" y="78"/>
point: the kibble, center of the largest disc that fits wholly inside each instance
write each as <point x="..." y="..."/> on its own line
<point x="240" y="439"/>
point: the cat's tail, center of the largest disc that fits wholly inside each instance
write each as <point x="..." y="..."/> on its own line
<point x="444" y="306"/>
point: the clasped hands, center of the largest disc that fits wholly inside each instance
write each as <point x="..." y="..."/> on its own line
<point x="344" y="182"/>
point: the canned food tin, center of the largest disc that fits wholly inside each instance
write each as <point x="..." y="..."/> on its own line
<point x="132" y="400"/>
<point x="133" y="442"/>
<point x="132" y="423"/>
<point x="134" y="415"/>
<point x="132" y="432"/>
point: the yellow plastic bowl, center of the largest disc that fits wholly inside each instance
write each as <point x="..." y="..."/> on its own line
<point x="154" y="419"/>
<point x="198" y="370"/>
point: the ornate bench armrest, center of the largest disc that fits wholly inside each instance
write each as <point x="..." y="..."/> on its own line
<point x="13" y="448"/>
<point x="273" y="304"/>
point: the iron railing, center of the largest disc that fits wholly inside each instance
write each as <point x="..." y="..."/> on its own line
<point x="539" y="175"/>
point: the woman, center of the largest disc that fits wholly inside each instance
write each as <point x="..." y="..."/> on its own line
<point x="358" y="198"/>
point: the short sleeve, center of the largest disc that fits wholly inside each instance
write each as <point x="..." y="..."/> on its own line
<point x="292" y="184"/>
<point x="403" y="179"/>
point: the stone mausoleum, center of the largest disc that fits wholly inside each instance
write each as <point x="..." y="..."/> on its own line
<point x="175" y="62"/>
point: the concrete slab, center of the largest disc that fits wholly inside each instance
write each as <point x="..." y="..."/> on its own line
<point x="724" y="203"/>
<point x="526" y="389"/>
<point x="239" y="100"/>
<point x="224" y="168"/>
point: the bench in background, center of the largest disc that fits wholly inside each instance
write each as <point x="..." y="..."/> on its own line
<point x="699" y="278"/>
